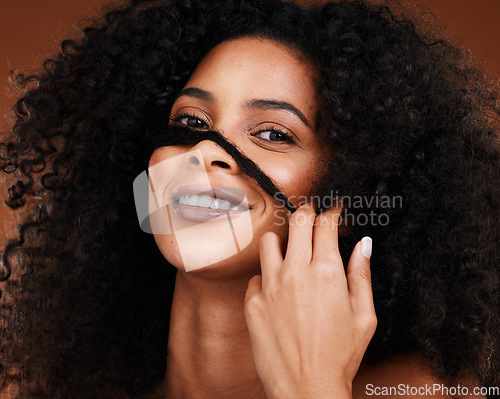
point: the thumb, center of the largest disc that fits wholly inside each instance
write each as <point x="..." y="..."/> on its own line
<point x="359" y="277"/>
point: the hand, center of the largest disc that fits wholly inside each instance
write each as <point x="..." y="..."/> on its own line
<point x="309" y="324"/>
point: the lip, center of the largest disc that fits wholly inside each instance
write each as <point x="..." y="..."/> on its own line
<point x="197" y="214"/>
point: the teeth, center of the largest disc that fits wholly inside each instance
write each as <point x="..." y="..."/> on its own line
<point x="215" y="204"/>
<point x="193" y="200"/>
<point x="206" y="201"/>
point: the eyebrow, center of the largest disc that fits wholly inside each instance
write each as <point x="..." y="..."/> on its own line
<point x="254" y="104"/>
<point x="279" y="105"/>
<point x="197" y="93"/>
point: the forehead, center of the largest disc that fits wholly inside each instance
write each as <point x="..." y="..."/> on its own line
<point x="259" y="68"/>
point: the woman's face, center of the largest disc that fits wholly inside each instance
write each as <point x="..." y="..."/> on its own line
<point x="261" y="97"/>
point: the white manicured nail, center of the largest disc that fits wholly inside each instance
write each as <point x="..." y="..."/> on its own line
<point x="366" y="247"/>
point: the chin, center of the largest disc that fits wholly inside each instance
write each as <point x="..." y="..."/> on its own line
<point x="167" y="245"/>
<point x="243" y="263"/>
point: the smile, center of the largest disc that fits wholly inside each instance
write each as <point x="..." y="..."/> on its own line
<point x="203" y="204"/>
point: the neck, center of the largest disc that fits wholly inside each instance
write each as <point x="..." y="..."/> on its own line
<point x="209" y="350"/>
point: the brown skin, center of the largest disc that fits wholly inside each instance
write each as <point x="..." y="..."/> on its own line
<point x="274" y="344"/>
<point x="270" y="340"/>
<point x="309" y="324"/>
<point x="233" y="80"/>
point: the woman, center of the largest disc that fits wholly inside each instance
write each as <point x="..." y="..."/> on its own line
<point x="272" y="100"/>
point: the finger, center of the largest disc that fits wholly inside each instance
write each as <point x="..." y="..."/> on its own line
<point x="254" y="288"/>
<point x="271" y="258"/>
<point x="325" y="235"/>
<point x="359" y="278"/>
<point x="299" y="248"/>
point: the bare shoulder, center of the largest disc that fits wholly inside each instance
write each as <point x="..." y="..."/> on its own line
<point x="406" y="376"/>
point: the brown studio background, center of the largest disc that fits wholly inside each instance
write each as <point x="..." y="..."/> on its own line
<point x="31" y="30"/>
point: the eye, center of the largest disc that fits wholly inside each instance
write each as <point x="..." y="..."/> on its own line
<point x="274" y="135"/>
<point x="190" y="120"/>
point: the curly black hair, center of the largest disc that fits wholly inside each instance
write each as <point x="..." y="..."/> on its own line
<point x="86" y="294"/>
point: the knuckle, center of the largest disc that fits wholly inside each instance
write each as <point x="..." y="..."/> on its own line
<point x="369" y="322"/>
<point x="252" y="288"/>
<point x="373" y="321"/>
<point x="288" y="281"/>
<point x="331" y="257"/>
<point x="287" y="277"/>
<point x="363" y="273"/>
<point x="254" y="280"/>
<point x="326" y="270"/>
<point x="272" y="293"/>
<point x="252" y="303"/>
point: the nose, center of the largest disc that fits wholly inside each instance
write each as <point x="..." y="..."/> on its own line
<point x="214" y="158"/>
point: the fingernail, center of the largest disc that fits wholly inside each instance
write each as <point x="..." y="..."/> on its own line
<point x="366" y="247"/>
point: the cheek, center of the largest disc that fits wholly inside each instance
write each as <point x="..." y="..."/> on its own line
<point x="167" y="152"/>
<point x="296" y="178"/>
